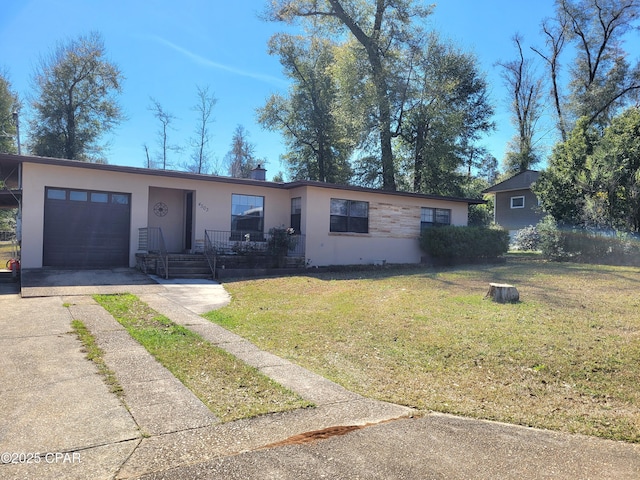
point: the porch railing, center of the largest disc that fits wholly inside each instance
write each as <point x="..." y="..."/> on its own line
<point x="221" y="242"/>
<point x="150" y="239"/>
<point x="210" y="253"/>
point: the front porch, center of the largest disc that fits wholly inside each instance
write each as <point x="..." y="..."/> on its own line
<point x="222" y="254"/>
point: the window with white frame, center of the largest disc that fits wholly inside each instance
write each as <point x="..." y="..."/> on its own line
<point x="434" y="217"/>
<point x="349" y="216"/>
<point x="517" y="202"/>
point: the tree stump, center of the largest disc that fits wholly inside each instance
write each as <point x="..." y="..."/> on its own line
<point x="503" y="293"/>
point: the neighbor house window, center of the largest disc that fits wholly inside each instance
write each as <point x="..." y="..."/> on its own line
<point x="247" y="214"/>
<point x="349" y="216"/>
<point x="296" y="214"/>
<point x="434" y="217"/>
<point x="517" y="202"/>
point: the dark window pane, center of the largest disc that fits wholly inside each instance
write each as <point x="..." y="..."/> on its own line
<point x="296" y="222"/>
<point x="338" y="223"/>
<point x="349" y="216"/>
<point x="339" y="207"/>
<point x="426" y="215"/>
<point x="443" y="216"/>
<point x="247" y="213"/>
<point x="359" y="225"/>
<point x="359" y="209"/>
<point x="296" y="205"/>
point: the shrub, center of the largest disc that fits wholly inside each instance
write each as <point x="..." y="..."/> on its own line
<point x="586" y="247"/>
<point x="281" y="240"/>
<point x="480" y="215"/>
<point x="463" y="244"/>
<point x="527" y="238"/>
<point x="551" y="241"/>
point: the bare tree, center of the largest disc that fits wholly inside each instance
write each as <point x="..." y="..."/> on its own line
<point x="600" y="80"/>
<point x="200" y="157"/>
<point x="602" y="77"/>
<point x="555" y="40"/>
<point x="525" y="89"/>
<point x="165" y="118"/>
<point x="241" y="158"/>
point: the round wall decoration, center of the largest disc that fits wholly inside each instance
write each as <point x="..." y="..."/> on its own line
<point x="160" y="209"/>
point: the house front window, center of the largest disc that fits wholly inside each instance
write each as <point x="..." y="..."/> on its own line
<point x="517" y="202"/>
<point x="349" y="216"/>
<point x="296" y="214"/>
<point x="434" y="217"/>
<point x="247" y="215"/>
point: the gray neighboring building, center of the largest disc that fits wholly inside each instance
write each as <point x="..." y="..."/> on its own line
<point x="515" y="205"/>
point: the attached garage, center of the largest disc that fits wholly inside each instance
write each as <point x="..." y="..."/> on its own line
<point x="85" y="228"/>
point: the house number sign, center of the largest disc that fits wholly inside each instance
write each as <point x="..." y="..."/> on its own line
<point x="160" y="209"/>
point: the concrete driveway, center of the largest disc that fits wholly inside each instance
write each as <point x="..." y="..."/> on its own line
<point x="57" y="410"/>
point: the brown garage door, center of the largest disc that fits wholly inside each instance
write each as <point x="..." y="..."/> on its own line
<point x="85" y="228"/>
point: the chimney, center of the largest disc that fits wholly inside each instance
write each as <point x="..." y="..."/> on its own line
<point x="258" y="173"/>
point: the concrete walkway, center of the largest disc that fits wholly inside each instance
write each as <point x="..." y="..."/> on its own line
<point x="55" y="403"/>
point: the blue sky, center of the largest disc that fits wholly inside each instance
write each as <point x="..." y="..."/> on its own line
<point x="165" y="48"/>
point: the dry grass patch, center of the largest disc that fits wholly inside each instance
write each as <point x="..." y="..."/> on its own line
<point x="229" y="387"/>
<point x="564" y="358"/>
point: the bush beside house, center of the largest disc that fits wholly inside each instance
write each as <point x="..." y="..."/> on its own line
<point x="582" y="246"/>
<point x="457" y="245"/>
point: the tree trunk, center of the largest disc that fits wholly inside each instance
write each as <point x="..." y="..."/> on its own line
<point x="503" y="293"/>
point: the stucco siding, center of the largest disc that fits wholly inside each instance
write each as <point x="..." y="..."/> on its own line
<point x="393" y="228"/>
<point x="212" y="204"/>
<point x="36" y="177"/>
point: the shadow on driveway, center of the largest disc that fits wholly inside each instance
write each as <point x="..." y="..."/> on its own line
<point x="48" y="282"/>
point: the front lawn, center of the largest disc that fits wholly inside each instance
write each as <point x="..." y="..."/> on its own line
<point x="230" y="388"/>
<point x="567" y="357"/>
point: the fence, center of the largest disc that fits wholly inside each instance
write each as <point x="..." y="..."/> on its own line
<point x="258" y="243"/>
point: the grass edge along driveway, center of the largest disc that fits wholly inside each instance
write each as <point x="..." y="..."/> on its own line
<point x="566" y="357"/>
<point x="230" y="388"/>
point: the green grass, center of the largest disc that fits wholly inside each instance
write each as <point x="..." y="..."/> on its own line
<point x="95" y="354"/>
<point x="565" y="358"/>
<point x="229" y="387"/>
